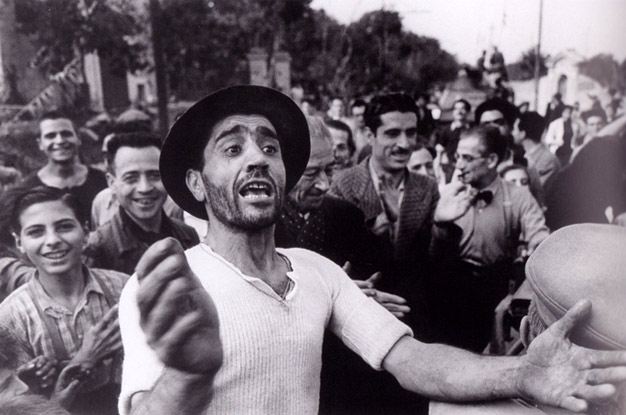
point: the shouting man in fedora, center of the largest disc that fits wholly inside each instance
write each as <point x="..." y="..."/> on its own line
<point x="235" y="325"/>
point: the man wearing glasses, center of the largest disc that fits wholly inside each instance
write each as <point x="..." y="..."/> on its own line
<point x="477" y="265"/>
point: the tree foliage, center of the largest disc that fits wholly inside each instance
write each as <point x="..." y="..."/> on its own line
<point x="524" y="68"/>
<point x="604" y="69"/>
<point x="64" y="29"/>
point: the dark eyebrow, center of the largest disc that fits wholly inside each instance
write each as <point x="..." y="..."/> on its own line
<point x="236" y="129"/>
<point x="264" y="131"/>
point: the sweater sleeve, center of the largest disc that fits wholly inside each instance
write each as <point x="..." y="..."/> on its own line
<point x="361" y="323"/>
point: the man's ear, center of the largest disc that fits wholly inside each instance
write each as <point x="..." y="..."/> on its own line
<point x="195" y="184"/>
<point x="110" y="179"/>
<point x="18" y="242"/>
<point x="370" y="136"/>
<point x="39" y="145"/>
<point x="492" y="160"/>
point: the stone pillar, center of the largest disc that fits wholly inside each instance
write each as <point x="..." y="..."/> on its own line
<point x="257" y="62"/>
<point x="282" y="71"/>
<point x="93" y="77"/>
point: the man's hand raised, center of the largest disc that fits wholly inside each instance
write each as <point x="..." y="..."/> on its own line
<point x="455" y="200"/>
<point x="176" y="313"/>
<point x="559" y="373"/>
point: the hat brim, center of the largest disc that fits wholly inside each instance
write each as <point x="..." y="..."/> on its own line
<point x="188" y="137"/>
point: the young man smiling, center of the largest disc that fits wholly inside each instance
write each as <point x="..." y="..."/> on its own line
<point x="64" y="170"/>
<point x="134" y="178"/>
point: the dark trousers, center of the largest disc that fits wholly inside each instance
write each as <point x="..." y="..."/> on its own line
<point x="463" y="304"/>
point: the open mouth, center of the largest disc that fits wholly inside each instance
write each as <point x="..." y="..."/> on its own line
<point x="56" y="254"/>
<point x="145" y="201"/>
<point x="256" y="190"/>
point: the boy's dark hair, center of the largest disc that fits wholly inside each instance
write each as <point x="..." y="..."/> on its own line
<point x="16" y="200"/>
<point x="134" y="140"/>
<point x="382" y="104"/>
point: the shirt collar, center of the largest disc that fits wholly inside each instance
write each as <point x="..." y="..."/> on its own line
<point x="47" y="303"/>
<point x="376" y="180"/>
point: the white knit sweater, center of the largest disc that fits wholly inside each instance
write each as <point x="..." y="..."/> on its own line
<point x="272" y="347"/>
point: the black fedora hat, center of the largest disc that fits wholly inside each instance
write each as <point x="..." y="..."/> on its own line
<point x="185" y="143"/>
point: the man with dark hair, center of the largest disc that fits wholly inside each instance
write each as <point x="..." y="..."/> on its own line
<point x="527" y="131"/>
<point x="343" y="144"/>
<point x="476" y="267"/>
<point x="134" y="178"/>
<point x="398" y="205"/>
<point x="235" y="325"/>
<point x="64" y="170"/>
<point x="595" y="120"/>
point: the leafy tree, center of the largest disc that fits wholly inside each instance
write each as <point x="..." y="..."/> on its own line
<point x="603" y="68"/>
<point x="524" y="68"/>
<point x="63" y="30"/>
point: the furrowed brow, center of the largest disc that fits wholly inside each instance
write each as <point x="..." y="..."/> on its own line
<point x="266" y="132"/>
<point x="234" y="130"/>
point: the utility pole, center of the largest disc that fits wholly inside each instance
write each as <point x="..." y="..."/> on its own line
<point x="159" y="66"/>
<point x="538" y="57"/>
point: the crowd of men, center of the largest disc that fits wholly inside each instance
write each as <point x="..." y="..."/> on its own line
<point x="432" y="222"/>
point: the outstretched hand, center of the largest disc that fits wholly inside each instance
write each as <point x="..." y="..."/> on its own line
<point x="455" y="199"/>
<point x="70" y="381"/>
<point x="176" y="313"/>
<point x="557" y="372"/>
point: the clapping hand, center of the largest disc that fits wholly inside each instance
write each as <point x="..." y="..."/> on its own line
<point x="39" y="374"/>
<point x="69" y="383"/>
<point x="101" y="340"/>
<point x="395" y="304"/>
<point x="177" y="314"/>
<point x="557" y="372"/>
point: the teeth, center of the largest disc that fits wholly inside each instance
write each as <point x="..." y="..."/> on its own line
<point x="55" y="255"/>
<point x="144" y="202"/>
<point x="255" y="196"/>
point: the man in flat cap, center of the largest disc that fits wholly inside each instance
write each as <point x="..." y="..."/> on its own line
<point x="234" y="325"/>
<point x="575" y="262"/>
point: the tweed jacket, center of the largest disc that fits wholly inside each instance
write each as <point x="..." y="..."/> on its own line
<point x="416" y="211"/>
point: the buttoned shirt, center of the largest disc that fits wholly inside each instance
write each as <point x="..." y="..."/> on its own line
<point x="383" y="223"/>
<point x="23" y="313"/>
<point x="484" y="229"/>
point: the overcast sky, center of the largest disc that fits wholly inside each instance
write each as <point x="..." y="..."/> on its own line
<point x="466" y="27"/>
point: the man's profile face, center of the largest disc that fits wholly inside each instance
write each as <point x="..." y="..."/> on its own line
<point x="341" y="149"/>
<point x="566" y="114"/>
<point x="58" y="140"/>
<point x="394" y="139"/>
<point x="496" y="119"/>
<point x="243" y="173"/>
<point x="136" y="182"/>
<point x="594" y="124"/>
<point x="358" y="115"/>
<point x="310" y="190"/>
<point x="421" y="162"/>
